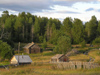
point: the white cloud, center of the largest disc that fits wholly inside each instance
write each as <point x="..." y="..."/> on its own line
<point x="26" y="5"/>
<point x="77" y="0"/>
<point x="83" y="6"/>
<point x="54" y="8"/>
<point x="61" y="12"/>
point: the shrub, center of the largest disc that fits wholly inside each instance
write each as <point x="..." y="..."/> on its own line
<point x="83" y="44"/>
<point x="96" y="41"/>
<point x="5" y="50"/>
<point x="44" y="45"/>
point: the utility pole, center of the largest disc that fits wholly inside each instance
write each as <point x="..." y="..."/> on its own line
<point x="18" y="52"/>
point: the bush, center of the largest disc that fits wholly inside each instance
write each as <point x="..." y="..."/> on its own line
<point x="44" y="45"/>
<point x="5" y="50"/>
<point x="63" y="45"/>
<point x="40" y="39"/>
<point x="96" y="41"/>
<point x="83" y="44"/>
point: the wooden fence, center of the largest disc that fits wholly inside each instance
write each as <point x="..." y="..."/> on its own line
<point x="76" y="65"/>
<point x="40" y="63"/>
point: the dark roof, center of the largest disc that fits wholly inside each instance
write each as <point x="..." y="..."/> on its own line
<point x="35" y="46"/>
<point x="57" y="56"/>
<point x="23" y="58"/>
<point x="73" y="51"/>
<point x="28" y="45"/>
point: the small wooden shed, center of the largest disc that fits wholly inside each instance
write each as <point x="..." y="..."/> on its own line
<point x="21" y="59"/>
<point x="32" y="48"/>
<point x="59" y="58"/>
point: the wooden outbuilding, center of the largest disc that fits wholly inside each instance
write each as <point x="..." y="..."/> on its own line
<point x="32" y="48"/>
<point x="59" y="58"/>
<point x="20" y="59"/>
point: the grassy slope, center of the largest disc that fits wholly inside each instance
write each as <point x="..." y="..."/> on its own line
<point x="47" y="69"/>
<point x="96" y="55"/>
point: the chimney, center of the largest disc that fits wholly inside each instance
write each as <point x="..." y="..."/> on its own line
<point x="22" y="55"/>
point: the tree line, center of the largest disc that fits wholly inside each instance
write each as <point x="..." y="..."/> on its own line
<point x="27" y="28"/>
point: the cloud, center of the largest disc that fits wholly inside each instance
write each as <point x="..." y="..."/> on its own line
<point x="90" y="9"/>
<point x="72" y="12"/>
<point x="71" y="2"/>
<point x="53" y="8"/>
<point x="98" y="10"/>
<point x="26" y="5"/>
<point x="77" y="0"/>
<point x="36" y="5"/>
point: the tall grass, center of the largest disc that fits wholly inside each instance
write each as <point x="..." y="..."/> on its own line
<point x="47" y="70"/>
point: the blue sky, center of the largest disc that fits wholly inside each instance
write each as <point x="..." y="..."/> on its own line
<point x="82" y="9"/>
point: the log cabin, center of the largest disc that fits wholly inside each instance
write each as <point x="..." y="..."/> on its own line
<point x="32" y="48"/>
<point x="20" y="59"/>
<point x="59" y="58"/>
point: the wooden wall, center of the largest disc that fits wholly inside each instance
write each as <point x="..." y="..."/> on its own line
<point x="76" y="65"/>
<point x="14" y="61"/>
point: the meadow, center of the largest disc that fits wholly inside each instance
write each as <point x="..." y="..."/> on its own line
<point x="41" y="65"/>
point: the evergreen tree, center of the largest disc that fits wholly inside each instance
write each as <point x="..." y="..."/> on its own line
<point x="36" y="29"/>
<point x="91" y="29"/>
<point x="77" y="31"/>
<point x="18" y="29"/>
<point x="31" y="28"/>
<point x="98" y="29"/>
<point x="67" y="25"/>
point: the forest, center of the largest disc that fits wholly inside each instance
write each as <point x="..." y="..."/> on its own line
<point x="26" y="28"/>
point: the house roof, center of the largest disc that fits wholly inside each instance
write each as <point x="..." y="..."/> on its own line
<point x="35" y="46"/>
<point x="73" y="51"/>
<point x="57" y="56"/>
<point x="28" y="45"/>
<point x="23" y="58"/>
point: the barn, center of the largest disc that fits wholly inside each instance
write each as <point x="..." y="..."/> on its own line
<point x="20" y="59"/>
<point x="32" y="48"/>
<point x="59" y="58"/>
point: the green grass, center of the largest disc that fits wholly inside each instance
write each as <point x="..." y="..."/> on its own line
<point x="96" y="55"/>
<point x="4" y="63"/>
<point x="47" y="69"/>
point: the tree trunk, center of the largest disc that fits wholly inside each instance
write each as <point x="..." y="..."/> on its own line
<point x="32" y="33"/>
<point x="2" y="32"/>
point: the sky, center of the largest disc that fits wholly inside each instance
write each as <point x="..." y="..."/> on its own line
<point x="81" y="9"/>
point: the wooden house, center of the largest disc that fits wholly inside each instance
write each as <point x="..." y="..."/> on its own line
<point x="73" y="51"/>
<point x="21" y="59"/>
<point x="32" y="48"/>
<point x="59" y="58"/>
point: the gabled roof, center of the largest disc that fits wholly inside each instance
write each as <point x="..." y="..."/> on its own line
<point x="23" y="58"/>
<point x="73" y="51"/>
<point x="57" y="56"/>
<point x="29" y="45"/>
<point x="35" y="46"/>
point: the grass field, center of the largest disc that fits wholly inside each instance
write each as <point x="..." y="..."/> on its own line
<point x="37" y="68"/>
<point x="46" y="69"/>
